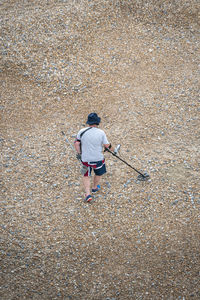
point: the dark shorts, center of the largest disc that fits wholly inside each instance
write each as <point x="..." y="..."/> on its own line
<point x="99" y="168"/>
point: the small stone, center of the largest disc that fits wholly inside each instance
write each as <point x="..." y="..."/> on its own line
<point x="108" y="184"/>
<point x="175" y="202"/>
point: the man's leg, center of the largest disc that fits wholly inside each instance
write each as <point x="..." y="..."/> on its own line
<point x="86" y="184"/>
<point x="99" y="171"/>
<point x="96" y="181"/>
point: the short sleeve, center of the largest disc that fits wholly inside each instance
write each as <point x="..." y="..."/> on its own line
<point x="105" y="140"/>
<point x="78" y="137"/>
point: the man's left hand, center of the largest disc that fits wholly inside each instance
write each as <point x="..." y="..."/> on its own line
<point x="78" y="156"/>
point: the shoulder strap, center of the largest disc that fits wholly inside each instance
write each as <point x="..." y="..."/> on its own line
<point x="84" y="132"/>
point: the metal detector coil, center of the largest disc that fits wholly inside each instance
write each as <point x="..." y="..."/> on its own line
<point x="143" y="177"/>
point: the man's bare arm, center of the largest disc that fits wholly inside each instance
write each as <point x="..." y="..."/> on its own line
<point x="77" y="146"/>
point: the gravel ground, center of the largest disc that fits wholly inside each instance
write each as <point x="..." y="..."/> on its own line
<point x="136" y="65"/>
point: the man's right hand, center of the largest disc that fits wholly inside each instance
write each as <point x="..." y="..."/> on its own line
<point x="108" y="147"/>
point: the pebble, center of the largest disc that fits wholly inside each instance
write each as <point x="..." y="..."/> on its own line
<point x="108" y="184"/>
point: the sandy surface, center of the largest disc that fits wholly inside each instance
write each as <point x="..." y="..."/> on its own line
<point x="136" y="65"/>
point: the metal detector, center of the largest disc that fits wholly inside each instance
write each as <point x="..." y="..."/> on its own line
<point x="66" y="139"/>
<point x="141" y="176"/>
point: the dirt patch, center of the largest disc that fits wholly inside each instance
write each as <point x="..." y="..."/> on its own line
<point x="137" y="67"/>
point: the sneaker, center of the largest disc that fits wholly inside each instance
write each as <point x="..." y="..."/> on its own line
<point x="88" y="198"/>
<point x="96" y="190"/>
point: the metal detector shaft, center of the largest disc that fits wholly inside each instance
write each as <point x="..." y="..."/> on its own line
<point x="125" y="162"/>
<point x="68" y="141"/>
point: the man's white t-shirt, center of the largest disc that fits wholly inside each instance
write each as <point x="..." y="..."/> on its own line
<point x="92" y="143"/>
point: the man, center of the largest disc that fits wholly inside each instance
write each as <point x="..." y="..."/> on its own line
<point x="89" y="145"/>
